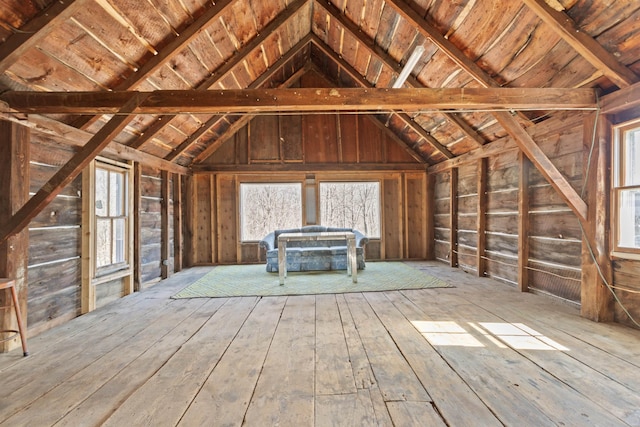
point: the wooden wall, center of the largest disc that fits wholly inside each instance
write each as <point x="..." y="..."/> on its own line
<point x="54" y="264"/>
<point x="554" y="239"/>
<point x="54" y="270"/>
<point x="214" y="223"/>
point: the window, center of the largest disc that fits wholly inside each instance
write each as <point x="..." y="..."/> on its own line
<point x="351" y="205"/>
<point x="626" y="183"/>
<point x="111" y="216"/>
<point x="266" y="207"/>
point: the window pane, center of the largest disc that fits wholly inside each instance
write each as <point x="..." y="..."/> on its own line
<point x="119" y="227"/>
<point x="629" y="219"/>
<point x="266" y="207"/>
<point x="632" y="157"/>
<point x="351" y="205"/>
<point x="103" y="242"/>
<point x="102" y="191"/>
<point x="116" y="194"/>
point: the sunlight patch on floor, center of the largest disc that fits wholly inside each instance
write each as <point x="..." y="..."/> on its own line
<point x="517" y="336"/>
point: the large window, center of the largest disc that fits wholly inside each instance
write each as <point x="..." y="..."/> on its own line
<point x="626" y="183"/>
<point x="351" y="205"/>
<point x="111" y="217"/>
<point x="266" y="207"/>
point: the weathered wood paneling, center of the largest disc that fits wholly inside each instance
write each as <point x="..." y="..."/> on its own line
<point x="625" y="277"/>
<point x="54" y="242"/>
<point x="227" y="209"/>
<point x="416" y="216"/>
<point x="203" y="220"/>
<point x="150" y="226"/>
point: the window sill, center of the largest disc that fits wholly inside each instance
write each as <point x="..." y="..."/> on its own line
<point x="625" y="255"/>
<point x="112" y="276"/>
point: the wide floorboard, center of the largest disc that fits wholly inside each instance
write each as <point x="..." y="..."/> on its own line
<point x="478" y="354"/>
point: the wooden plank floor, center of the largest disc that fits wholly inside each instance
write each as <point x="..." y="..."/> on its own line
<point x="479" y="354"/>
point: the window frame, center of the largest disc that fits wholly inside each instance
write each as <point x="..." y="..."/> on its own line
<point x="618" y="186"/>
<point x="126" y="213"/>
<point x="92" y="276"/>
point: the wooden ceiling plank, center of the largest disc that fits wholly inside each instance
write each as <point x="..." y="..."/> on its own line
<point x="303" y="99"/>
<point x="228" y="66"/>
<point x="506" y="120"/>
<point x="35" y="30"/>
<point x="403" y="116"/>
<point x="70" y="170"/>
<point x="583" y="43"/>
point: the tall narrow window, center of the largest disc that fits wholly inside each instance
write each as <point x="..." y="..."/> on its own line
<point x="111" y="217"/>
<point x="351" y="205"/>
<point x="626" y="183"/>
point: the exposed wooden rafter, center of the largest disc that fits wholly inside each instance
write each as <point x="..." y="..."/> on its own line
<point x="173" y="48"/>
<point x="36" y="29"/>
<point x="255" y="101"/>
<point x="378" y="53"/>
<point x="583" y="43"/>
<point x="403" y="116"/>
<point x="239" y="123"/>
<point x="70" y="170"/>
<point x="511" y="125"/>
<point x="228" y="66"/>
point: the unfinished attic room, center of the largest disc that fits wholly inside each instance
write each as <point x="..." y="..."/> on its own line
<point x="320" y="213"/>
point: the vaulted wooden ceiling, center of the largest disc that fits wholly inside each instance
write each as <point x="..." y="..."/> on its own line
<point x="151" y="45"/>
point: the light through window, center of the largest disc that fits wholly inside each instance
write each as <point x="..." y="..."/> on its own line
<point x="351" y="205"/>
<point x="627" y="188"/>
<point x="111" y="216"/>
<point x="267" y="207"/>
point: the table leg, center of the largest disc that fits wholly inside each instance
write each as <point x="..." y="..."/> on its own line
<point x="282" y="261"/>
<point x="352" y="259"/>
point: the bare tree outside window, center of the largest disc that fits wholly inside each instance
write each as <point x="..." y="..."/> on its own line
<point x="351" y="205"/>
<point x="267" y="207"/>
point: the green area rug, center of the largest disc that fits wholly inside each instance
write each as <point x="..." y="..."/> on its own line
<point x="254" y="280"/>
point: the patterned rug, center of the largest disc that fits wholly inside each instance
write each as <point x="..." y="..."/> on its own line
<point x="254" y="280"/>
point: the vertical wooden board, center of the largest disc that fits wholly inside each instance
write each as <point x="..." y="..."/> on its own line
<point x="289" y="366"/>
<point x="371" y="148"/>
<point x="264" y="141"/>
<point x="416" y="216"/>
<point x="226" y="235"/>
<point x="392" y="214"/>
<point x="333" y="368"/>
<point x="109" y="292"/>
<point x="349" y="137"/>
<point x="625" y="278"/>
<point x="249" y="253"/>
<point x="319" y="133"/>
<point x="291" y="138"/>
<point x="396" y="152"/>
<point x="202" y="216"/>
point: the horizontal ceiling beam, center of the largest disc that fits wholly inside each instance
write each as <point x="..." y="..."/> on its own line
<point x="303" y="100"/>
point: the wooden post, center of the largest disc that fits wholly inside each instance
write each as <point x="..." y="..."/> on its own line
<point x="88" y="291"/>
<point x="137" y="227"/>
<point x="164" y="224"/>
<point x="596" y="299"/>
<point x="177" y="223"/>
<point x="453" y="218"/>
<point x="430" y="212"/>
<point x="523" y="222"/>
<point x="189" y="222"/>
<point x="14" y="193"/>
<point x="481" y="221"/>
